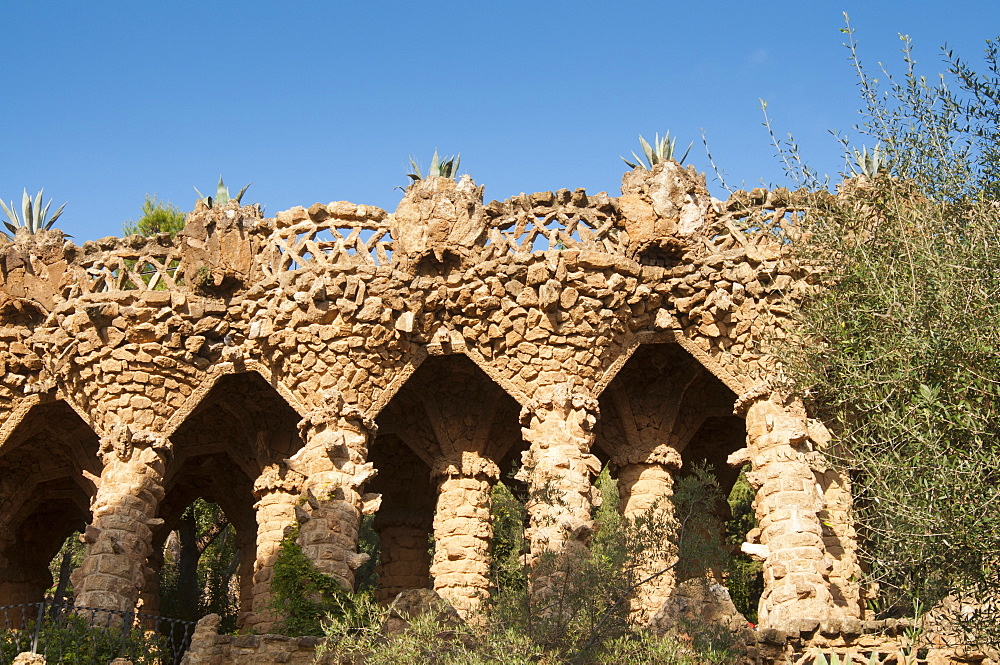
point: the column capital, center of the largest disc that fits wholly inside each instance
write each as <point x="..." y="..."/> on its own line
<point x="758" y="392"/>
<point x="664" y="455"/>
<point x="123" y="441"/>
<point x="561" y="400"/>
<point x="469" y="464"/>
<point x="278" y="478"/>
<point x="335" y="413"/>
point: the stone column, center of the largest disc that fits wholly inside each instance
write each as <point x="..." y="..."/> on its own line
<point x="245" y="573"/>
<point x="641" y="486"/>
<point x="463" y="532"/>
<point x="277" y="493"/>
<point x="404" y="557"/>
<point x="798" y="568"/>
<point x="119" y="541"/>
<point x="558" y="468"/>
<point x="334" y="462"/>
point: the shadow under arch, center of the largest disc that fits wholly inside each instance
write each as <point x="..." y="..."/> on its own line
<point x="240" y="426"/>
<point x="662" y="413"/>
<point x="444" y="437"/>
<point x="48" y="468"/>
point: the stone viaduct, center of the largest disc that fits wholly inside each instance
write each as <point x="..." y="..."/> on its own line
<point x="340" y="360"/>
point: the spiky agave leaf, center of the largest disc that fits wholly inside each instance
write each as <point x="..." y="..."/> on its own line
<point x="448" y="166"/>
<point x="221" y="192"/>
<point x="11" y="214"/>
<point x="52" y="220"/>
<point x="661" y="150"/>
<point x="33" y="216"/>
<point x="26" y="216"/>
<point x="435" y="167"/>
<point x="685" y="155"/>
<point x="239" y="197"/>
<point x="207" y="200"/>
<point x="415" y="168"/>
<point x="868" y="164"/>
<point x="647" y="150"/>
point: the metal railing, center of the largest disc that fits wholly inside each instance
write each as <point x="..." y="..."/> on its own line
<point x="64" y="633"/>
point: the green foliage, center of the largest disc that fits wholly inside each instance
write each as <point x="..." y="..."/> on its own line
<point x="744" y="576"/>
<point x="302" y="594"/>
<point x="661" y="151"/>
<point x="355" y="637"/>
<point x="699" y="531"/>
<point x="157" y="217"/>
<point x="210" y="556"/>
<point x="899" y="350"/>
<point x="942" y="133"/>
<point x="365" y="579"/>
<point x="33" y="216"/>
<point x="508" y="516"/>
<point x="72" y="639"/>
<point x="444" y="168"/>
<point x="221" y="195"/>
<point x="581" y="617"/>
<point x="67" y="559"/>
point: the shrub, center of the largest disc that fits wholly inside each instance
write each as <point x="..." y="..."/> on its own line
<point x="899" y="353"/>
<point x="157" y="217"/>
<point x="74" y="638"/>
<point x="303" y="594"/>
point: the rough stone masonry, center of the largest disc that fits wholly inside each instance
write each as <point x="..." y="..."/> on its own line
<point x="338" y="360"/>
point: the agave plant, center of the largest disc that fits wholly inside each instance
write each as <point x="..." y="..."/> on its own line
<point x="33" y="216"/>
<point x="446" y="168"/>
<point x="869" y="164"/>
<point x="660" y="151"/>
<point x="221" y="195"/>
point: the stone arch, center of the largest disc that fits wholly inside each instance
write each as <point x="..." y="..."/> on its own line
<point x="48" y="467"/>
<point x="199" y="394"/>
<point x="737" y="383"/>
<point x="457" y="425"/>
<point x="662" y="410"/>
<point x="240" y="427"/>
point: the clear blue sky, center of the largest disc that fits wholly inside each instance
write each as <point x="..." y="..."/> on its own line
<point x="324" y="101"/>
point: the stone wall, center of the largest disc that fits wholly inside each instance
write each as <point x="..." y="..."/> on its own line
<point x="340" y="360"/>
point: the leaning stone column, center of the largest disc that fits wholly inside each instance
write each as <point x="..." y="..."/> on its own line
<point x="119" y="540"/>
<point x="334" y="462"/>
<point x="791" y="511"/>
<point x="558" y="468"/>
<point x="641" y="486"/>
<point x="463" y="531"/>
<point x="277" y="492"/>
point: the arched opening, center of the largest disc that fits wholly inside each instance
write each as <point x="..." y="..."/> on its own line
<point x="45" y="497"/>
<point x="404" y="523"/>
<point x="664" y="417"/>
<point x="442" y="443"/>
<point x="205" y="550"/>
